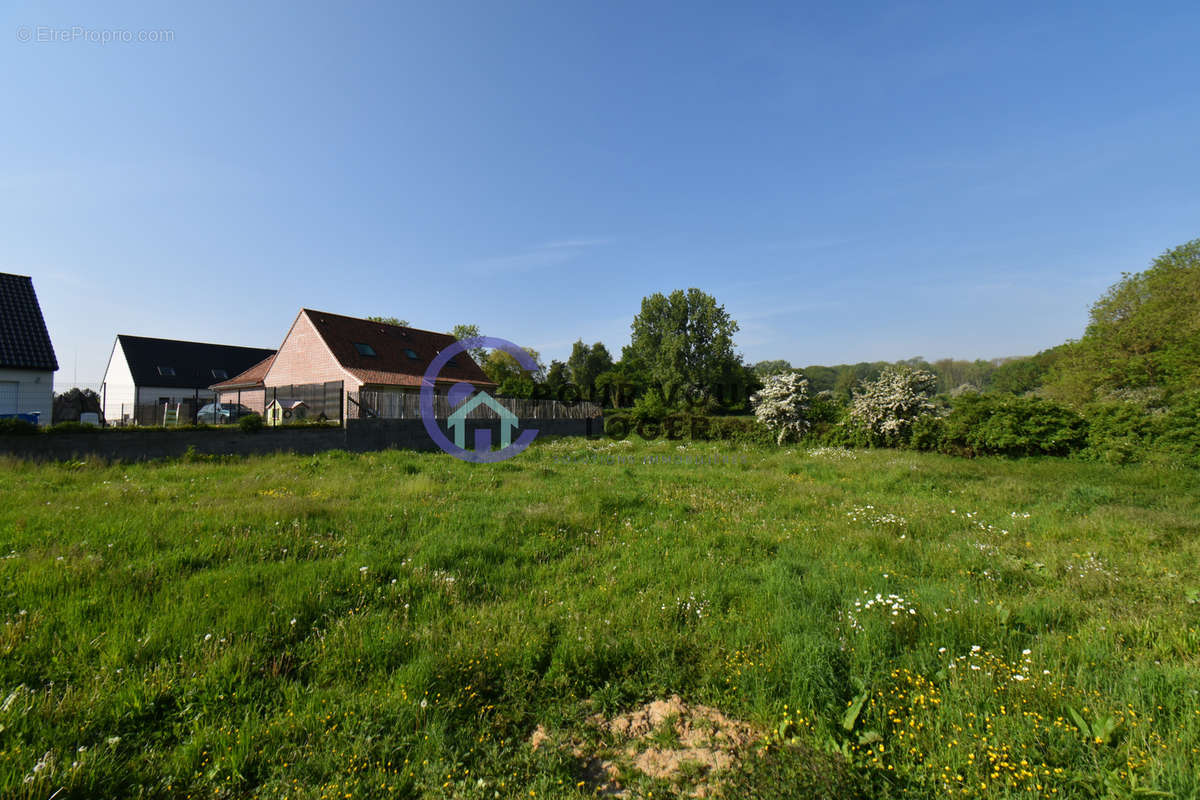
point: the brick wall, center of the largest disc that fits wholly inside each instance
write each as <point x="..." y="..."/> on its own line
<point x="357" y="436"/>
<point x="304" y="358"/>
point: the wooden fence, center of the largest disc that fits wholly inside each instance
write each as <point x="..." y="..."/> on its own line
<point x="407" y="405"/>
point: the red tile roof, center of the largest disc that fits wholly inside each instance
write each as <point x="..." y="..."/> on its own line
<point x="249" y="379"/>
<point x="392" y="364"/>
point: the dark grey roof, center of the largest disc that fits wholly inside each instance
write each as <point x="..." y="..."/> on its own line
<point x="193" y="363"/>
<point x="24" y="340"/>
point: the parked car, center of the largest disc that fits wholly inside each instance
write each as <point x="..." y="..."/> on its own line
<point x="221" y="413"/>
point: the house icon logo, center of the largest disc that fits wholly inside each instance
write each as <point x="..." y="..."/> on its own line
<point x="457" y="422"/>
<point x="461" y="419"/>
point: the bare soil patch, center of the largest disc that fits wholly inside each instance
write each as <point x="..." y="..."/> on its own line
<point x="690" y="746"/>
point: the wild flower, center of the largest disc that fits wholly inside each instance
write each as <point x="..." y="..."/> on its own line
<point x="892" y="606"/>
<point x="687" y="609"/>
<point x="1090" y="564"/>
<point x="833" y="453"/>
<point x="867" y="513"/>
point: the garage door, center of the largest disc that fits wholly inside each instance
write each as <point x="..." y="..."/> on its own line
<point x="8" y="397"/>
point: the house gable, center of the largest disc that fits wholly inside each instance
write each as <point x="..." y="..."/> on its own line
<point x="379" y="354"/>
<point x="118" y="391"/>
<point x="304" y="357"/>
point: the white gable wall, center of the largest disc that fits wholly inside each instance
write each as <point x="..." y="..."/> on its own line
<point x="34" y="392"/>
<point x="117" y="391"/>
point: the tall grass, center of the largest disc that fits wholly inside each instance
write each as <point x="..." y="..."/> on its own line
<point x="397" y="624"/>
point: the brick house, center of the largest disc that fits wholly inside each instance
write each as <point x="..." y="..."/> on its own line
<point x="322" y="348"/>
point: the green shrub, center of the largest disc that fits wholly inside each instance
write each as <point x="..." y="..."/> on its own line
<point x="1180" y="429"/>
<point x="927" y="433"/>
<point x="746" y="430"/>
<point x="650" y="406"/>
<point x="251" y="423"/>
<point x="824" y="408"/>
<point x="71" y="426"/>
<point x="17" y="427"/>
<point x="1122" y="432"/>
<point x="998" y="424"/>
<point x="845" y="433"/>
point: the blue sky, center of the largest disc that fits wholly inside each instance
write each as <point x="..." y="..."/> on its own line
<point x="852" y="181"/>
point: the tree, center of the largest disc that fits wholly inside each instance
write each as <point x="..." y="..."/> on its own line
<point x="556" y="378"/>
<point x="73" y="402"/>
<point x="764" y="368"/>
<point x="512" y="379"/>
<point x="782" y="405"/>
<point x="1144" y="332"/>
<point x="685" y="341"/>
<point x="586" y="364"/>
<point x="403" y="323"/>
<point x="617" y="388"/>
<point x="887" y="407"/>
<point x="1022" y="375"/>
<point x="465" y="331"/>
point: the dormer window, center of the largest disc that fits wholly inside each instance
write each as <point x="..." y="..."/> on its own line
<point x="412" y="354"/>
<point x="365" y="349"/>
<point x="167" y="372"/>
<point x="220" y="374"/>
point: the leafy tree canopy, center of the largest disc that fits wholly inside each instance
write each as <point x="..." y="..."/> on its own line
<point x="1143" y="332"/>
<point x="466" y="331"/>
<point x="685" y="340"/>
<point x="588" y="363"/>
<point x="764" y="368"/>
<point x="512" y="379"/>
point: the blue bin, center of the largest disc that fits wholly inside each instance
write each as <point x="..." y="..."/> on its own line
<point x="31" y="417"/>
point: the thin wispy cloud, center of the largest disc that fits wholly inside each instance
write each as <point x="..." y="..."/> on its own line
<point x="535" y="257"/>
<point x="792" y="308"/>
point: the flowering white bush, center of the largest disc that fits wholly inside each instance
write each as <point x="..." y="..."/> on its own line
<point x="782" y="405"/>
<point x="888" y="406"/>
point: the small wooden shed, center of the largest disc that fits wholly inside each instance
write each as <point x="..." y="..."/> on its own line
<point x="282" y="412"/>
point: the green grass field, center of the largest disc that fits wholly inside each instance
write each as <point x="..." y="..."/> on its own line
<point x="889" y="624"/>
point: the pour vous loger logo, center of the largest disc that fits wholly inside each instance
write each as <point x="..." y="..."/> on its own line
<point x="463" y="399"/>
